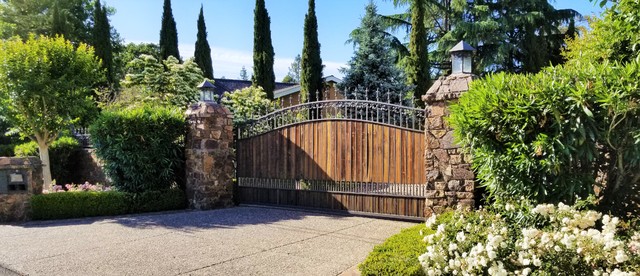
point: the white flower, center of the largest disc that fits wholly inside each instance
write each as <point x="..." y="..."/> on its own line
<point x="431" y="221"/>
<point x="526" y="271"/>
<point x="460" y="236"/>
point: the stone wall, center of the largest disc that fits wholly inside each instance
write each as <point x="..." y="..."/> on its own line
<point x="209" y="156"/>
<point x="87" y="167"/>
<point x="450" y="180"/>
<point x="15" y="206"/>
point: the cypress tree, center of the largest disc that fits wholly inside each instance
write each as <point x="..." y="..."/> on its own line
<point x="102" y="39"/>
<point x="263" y="74"/>
<point x="311" y="75"/>
<point x="58" y="22"/>
<point x="203" y="51"/>
<point x="417" y="69"/>
<point x="168" y="34"/>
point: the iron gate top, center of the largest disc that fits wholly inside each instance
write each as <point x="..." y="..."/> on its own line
<point x="383" y="113"/>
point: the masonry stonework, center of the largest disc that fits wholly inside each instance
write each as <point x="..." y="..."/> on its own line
<point x="450" y="180"/>
<point x="15" y="205"/>
<point x="209" y="156"/>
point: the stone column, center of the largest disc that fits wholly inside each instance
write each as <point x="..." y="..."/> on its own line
<point x="209" y="156"/>
<point x="21" y="178"/>
<point x="450" y="179"/>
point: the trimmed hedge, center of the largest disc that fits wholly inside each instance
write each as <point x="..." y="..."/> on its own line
<point x="142" y="148"/>
<point x="65" y="205"/>
<point x="398" y="255"/>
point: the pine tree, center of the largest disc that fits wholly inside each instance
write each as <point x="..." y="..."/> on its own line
<point x="168" y="34"/>
<point x="371" y="72"/>
<point x="311" y="75"/>
<point x="263" y="74"/>
<point x="243" y="73"/>
<point x="102" y="40"/>
<point x="203" y="51"/>
<point x="418" y="66"/>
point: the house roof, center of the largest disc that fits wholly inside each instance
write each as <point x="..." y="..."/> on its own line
<point x="278" y="93"/>
<point x="230" y="85"/>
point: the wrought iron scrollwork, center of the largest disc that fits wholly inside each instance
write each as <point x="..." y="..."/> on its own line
<point x="330" y="110"/>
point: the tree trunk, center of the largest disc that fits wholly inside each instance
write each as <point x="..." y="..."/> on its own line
<point x="46" y="165"/>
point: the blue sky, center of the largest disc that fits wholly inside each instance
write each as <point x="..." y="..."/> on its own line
<point x="230" y="28"/>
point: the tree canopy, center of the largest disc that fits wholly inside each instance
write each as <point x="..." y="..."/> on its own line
<point x="263" y="54"/>
<point x="371" y="73"/>
<point x="311" y="83"/>
<point x="168" y="34"/>
<point x="45" y="85"/>
<point x="202" y="53"/>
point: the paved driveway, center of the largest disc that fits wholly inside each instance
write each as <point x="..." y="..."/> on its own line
<point x="235" y="241"/>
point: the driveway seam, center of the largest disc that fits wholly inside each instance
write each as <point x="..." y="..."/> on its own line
<point x="273" y="248"/>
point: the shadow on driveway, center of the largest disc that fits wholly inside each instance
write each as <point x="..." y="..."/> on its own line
<point x="186" y="220"/>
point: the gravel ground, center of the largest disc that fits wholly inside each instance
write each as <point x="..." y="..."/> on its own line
<point x="235" y="241"/>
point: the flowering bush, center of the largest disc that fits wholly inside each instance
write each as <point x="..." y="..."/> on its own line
<point x="542" y="240"/>
<point x="86" y="187"/>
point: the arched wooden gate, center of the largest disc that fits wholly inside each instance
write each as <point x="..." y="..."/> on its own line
<point x="354" y="155"/>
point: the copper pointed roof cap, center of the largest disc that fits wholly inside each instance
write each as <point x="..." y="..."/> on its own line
<point x="462" y="46"/>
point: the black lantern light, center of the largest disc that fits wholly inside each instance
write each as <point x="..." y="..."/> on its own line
<point x="461" y="56"/>
<point x="207" y="93"/>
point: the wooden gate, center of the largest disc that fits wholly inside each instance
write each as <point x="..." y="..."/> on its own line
<point x="353" y="155"/>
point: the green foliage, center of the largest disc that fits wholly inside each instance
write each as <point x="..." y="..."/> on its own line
<point x="243" y="74"/>
<point x="155" y="201"/>
<point x="101" y="43"/>
<point x="398" y="255"/>
<point x="166" y="83"/>
<point x="61" y="156"/>
<point x="64" y="205"/>
<point x="168" y="34"/>
<point x="202" y="53"/>
<point x="293" y="76"/>
<point x="79" y="204"/>
<point x="263" y="74"/>
<point x="512" y="36"/>
<point x="611" y="38"/>
<point x="417" y="69"/>
<point x="247" y="103"/>
<point x="311" y="83"/>
<point x="70" y="18"/>
<point x="7" y="150"/>
<point x="45" y="85"/>
<point x="142" y="148"/>
<point x="372" y="67"/>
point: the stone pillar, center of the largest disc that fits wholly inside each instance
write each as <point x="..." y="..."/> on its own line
<point x="209" y="156"/>
<point x="450" y="180"/>
<point x="20" y="178"/>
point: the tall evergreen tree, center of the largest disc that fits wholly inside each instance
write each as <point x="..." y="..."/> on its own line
<point x="371" y="73"/>
<point x="263" y="74"/>
<point x="58" y="21"/>
<point x="417" y="68"/>
<point x="203" y="51"/>
<point x="168" y="34"/>
<point x="311" y="75"/>
<point x="102" y="40"/>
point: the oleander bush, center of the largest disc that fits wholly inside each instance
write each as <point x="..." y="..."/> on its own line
<point x="523" y="239"/>
<point x="61" y="152"/>
<point x="142" y="148"/>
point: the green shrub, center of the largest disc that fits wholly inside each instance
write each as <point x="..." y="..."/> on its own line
<point x="154" y="201"/>
<point x="546" y="136"/>
<point x="7" y="150"/>
<point x="142" y="148"/>
<point x="398" y="255"/>
<point x="61" y="153"/>
<point x="65" y="205"/>
<point x="78" y="204"/>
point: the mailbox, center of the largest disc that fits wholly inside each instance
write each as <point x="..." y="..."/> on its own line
<point x="12" y="182"/>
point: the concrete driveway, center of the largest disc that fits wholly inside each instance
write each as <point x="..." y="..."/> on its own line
<point x="235" y="241"/>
